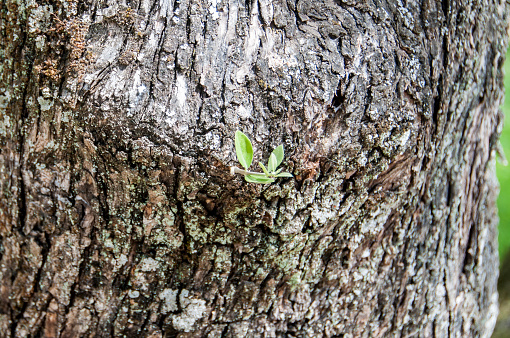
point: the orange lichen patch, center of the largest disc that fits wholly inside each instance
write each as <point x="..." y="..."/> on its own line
<point x="71" y="35"/>
<point x="77" y="47"/>
<point x="62" y="34"/>
<point x="50" y="69"/>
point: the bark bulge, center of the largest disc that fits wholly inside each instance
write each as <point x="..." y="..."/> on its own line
<point x="118" y="215"/>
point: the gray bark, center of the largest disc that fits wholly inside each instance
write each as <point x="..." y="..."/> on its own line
<point x="118" y="214"/>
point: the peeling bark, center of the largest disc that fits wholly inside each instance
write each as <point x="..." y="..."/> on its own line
<point x="118" y="214"/>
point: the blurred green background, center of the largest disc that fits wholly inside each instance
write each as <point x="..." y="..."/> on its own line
<point x="504" y="174"/>
<point x="503" y="325"/>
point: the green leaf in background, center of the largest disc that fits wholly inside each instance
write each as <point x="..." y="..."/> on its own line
<point x="244" y="150"/>
<point x="258" y="179"/>
<point x="272" y="163"/>
<point x="503" y="173"/>
<point x="502" y="329"/>
<point x="284" y="175"/>
<point x="278" y="153"/>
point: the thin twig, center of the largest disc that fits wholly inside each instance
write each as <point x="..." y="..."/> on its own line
<point x="236" y="170"/>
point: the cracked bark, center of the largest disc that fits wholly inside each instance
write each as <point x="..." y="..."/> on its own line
<point x="118" y="214"/>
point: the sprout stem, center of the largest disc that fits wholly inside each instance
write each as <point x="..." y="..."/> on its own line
<point x="236" y="170"/>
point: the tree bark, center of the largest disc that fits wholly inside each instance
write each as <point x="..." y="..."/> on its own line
<point x="118" y="213"/>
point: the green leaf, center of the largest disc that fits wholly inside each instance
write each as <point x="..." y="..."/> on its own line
<point x="284" y="175"/>
<point x="258" y="179"/>
<point x="278" y="153"/>
<point x="272" y="163"/>
<point x="244" y="150"/>
<point x="264" y="169"/>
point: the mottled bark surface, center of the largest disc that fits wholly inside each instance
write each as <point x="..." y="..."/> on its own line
<point x="118" y="214"/>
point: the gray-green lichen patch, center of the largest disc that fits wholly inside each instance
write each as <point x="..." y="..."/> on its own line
<point x="39" y="18"/>
<point x="149" y="264"/>
<point x="193" y="309"/>
<point x="133" y="294"/>
<point x="169" y="299"/>
<point x="5" y="124"/>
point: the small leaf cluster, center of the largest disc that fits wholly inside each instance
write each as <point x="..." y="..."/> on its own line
<point x="244" y="152"/>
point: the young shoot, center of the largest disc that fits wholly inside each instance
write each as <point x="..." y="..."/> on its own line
<point x="244" y="152"/>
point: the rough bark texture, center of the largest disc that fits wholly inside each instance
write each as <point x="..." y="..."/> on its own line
<point x="118" y="215"/>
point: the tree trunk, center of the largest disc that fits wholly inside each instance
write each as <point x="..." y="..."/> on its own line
<point x="118" y="212"/>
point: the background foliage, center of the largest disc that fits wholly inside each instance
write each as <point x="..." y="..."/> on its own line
<point x="503" y="326"/>
<point x="504" y="174"/>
